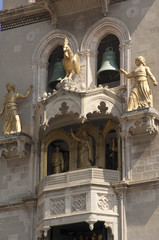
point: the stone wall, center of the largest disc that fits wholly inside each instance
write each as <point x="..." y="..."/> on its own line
<point x="142" y="214"/>
<point x="15" y="180"/>
<point x="145" y="157"/>
<point x="15" y="225"/>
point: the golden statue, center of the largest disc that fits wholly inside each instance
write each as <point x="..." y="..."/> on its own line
<point x="85" y="148"/>
<point x="57" y="161"/>
<point x="11" y="119"/>
<point x="140" y="96"/>
<point x="71" y="62"/>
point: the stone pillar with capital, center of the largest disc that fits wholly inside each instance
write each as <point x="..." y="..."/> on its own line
<point x="91" y="68"/>
<point x="126" y="151"/>
<point x="120" y="190"/>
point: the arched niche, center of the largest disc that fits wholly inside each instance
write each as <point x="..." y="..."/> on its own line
<point x="57" y="157"/>
<point x="112" y="103"/>
<point x="87" y="133"/>
<point x="108" y="62"/>
<point x="42" y="52"/>
<point x="93" y="37"/>
<point x="56" y="70"/>
<point x="112" y="153"/>
<point x="57" y="137"/>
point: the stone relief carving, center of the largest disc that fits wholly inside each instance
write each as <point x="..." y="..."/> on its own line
<point x="57" y="206"/>
<point x="140" y="121"/>
<point x="105" y="201"/>
<point x="79" y="202"/>
<point x="15" y="146"/>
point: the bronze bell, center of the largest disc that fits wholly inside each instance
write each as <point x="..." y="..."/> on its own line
<point x="109" y="70"/>
<point x="57" y="74"/>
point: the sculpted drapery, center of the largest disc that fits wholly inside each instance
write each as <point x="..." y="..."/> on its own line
<point x="11" y="119"/>
<point x="140" y="96"/>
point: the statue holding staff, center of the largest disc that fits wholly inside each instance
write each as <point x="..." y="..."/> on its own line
<point x="140" y="96"/>
<point x="85" y="149"/>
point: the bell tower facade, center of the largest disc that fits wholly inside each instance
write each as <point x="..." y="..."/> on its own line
<point x="79" y="156"/>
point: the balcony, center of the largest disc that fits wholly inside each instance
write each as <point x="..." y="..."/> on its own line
<point x="78" y="196"/>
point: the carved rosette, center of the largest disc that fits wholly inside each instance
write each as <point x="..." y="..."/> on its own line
<point x="57" y="206"/>
<point x="105" y="202"/>
<point x="79" y="202"/>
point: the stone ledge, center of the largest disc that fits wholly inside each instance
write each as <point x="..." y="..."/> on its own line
<point x="137" y="185"/>
<point x="140" y="121"/>
<point x="78" y="178"/>
<point x="28" y="202"/>
<point x="22" y="16"/>
<point x="14" y="146"/>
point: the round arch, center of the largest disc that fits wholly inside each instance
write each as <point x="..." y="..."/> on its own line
<point x="57" y="134"/>
<point x="102" y="28"/>
<point x="41" y="56"/>
<point x="92" y="39"/>
<point x="112" y="125"/>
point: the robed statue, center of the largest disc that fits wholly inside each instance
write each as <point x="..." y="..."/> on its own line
<point x="57" y="161"/>
<point x="85" y="149"/>
<point x="11" y="119"/>
<point x="140" y="96"/>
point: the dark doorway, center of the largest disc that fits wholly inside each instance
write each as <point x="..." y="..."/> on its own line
<point x="79" y="231"/>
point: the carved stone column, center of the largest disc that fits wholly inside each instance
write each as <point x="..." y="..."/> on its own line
<point x="125" y="56"/>
<point x="40" y="75"/>
<point x="121" y="192"/>
<point x="91" y="67"/>
<point x="126" y="161"/>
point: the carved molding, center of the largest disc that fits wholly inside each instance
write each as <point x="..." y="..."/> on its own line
<point x="15" y="146"/>
<point x="140" y="121"/>
<point x="48" y="5"/>
<point x="102" y="27"/>
<point x="105" y="7"/>
<point x="65" y="117"/>
<point x="22" y="16"/>
<point x="44" y="10"/>
<point x="101" y="113"/>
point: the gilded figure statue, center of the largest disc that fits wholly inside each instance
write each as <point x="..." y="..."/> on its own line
<point x="85" y="149"/>
<point x="57" y="161"/>
<point x="11" y="119"/>
<point x="71" y="62"/>
<point x="140" y="96"/>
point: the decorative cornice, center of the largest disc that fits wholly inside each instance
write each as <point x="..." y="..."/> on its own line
<point x="120" y="187"/>
<point x="22" y="16"/>
<point x="48" y="10"/>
